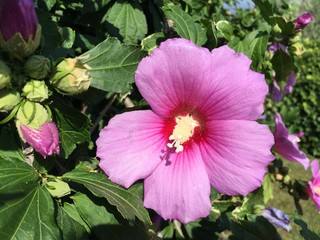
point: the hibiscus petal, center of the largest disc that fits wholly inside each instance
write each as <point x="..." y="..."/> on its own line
<point x="179" y="188"/>
<point x="130" y="146"/>
<point x="236" y="154"/>
<point x="315" y="167"/>
<point x="239" y="92"/>
<point x="175" y="74"/>
<point x="286" y="144"/>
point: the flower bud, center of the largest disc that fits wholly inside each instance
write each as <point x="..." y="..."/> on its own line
<point x="19" y="29"/>
<point x="5" y="75"/>
<point x="8" y="100"/>
<point x="37" y="67"/>
<point x="303" y="20"/>
<point x="45" y="140"/>
<point x="33" y="115"/>
<point x="71" y="77"/>
<point x="36" y="91"/>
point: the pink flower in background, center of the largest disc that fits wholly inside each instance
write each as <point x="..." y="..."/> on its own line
<point x="201" y="131"/>
<point x="45" y="140"/>
<point x="303" y="20"/>
<point x="313" y="188"/>
<point x="286" y="144"/>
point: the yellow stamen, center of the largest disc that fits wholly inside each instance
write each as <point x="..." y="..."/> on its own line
<point x="316" y="190"/>
<point x="182" y="132"/>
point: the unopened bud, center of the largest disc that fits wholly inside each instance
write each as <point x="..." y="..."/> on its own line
<point x="37" y="67"/>
<point x="20" y="32"/>
<point x="44" y="140"/>
<point x="5" y="75"/>
<point x="71" y="77"/>
<point x="33" y="114"/>
<point x="36" y="91"/>
<point x="303" y="20"/>
<point x="8" y="99"/>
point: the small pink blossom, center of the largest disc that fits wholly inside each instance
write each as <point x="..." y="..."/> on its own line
<point x="286" y="144"/>
<point x="201" y="131"/>
<point x="45" y="140"/>
<point x="303" y="20"/>
<point x="313" y="188"/>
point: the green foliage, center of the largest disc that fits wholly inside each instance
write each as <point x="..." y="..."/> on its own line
<point x="126" y="21"/>
<point x="306" y="95"/>
<point x="113" y="65"/>
<point x="184" y="25"/>
<point x="128" y="203"/>
<point x="67" y="196"/>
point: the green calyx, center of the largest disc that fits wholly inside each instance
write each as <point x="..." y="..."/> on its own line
<point x="36" y="91"/>
<point x="17" y="47"/>
<point x="5" y="75"/>
<point x="33" y="114"/>
<point x="8" y="99"/>
<point x="37" y="67"/>
<point x="71" y="77"/>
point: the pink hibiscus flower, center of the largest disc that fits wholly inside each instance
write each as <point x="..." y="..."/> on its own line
<point x="201" y="130"/>
<point x="286" y="144"/>
<point x="313" y="188"/>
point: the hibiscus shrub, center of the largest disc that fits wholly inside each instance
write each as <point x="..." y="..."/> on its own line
<point x="157" y="120"/>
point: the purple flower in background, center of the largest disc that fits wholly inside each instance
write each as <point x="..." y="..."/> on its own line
<point x="286" y="144"/>
<point x="276" y="92"/>
<point x="288" y="88"/>
<point x="276" y="47"/>
<point x="313" y="188"/>
<point x="277" y="218"/>
<point x="45" y="140"/>
<point x="303" y="20"/>
<point x="201" y="131"/>
<point x="18" y="16"/>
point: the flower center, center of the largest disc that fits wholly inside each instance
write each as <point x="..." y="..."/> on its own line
<point x="316" y="190"/>
<point x="182" y="132"/>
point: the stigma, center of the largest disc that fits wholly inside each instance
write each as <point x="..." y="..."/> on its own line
<point x="182" y="132"/>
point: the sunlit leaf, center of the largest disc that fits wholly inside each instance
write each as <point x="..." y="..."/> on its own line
<point x="113" y="65"/>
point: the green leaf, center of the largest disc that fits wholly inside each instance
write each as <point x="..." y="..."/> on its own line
<point x="184" y="24"/>
<point x="287" y="28"/>
<point x="225" y="28"/>
<point x="58" y="188"/>
<point x="126" y="21"/>
<point x="113" y="65"/>
<point x="73" y="213"/>
<point x="260" y="229"/>
<point x="152" y="41"/>
<point x="68" y="36"/>
<point x="15" y="174"/>
<point x="29" y="217"/>
<point x="128" y="203"/>
<point x="257" y="42"/>
<point x="266" y="9"/>
<point x="73" y="127"/>
<point x="283" y="65"/>
<point x="10" y="146"/>
<point x="267" y="188"/>
<point x="26" y="208"/>
<point x="70" y="228"/>
<point x="102" y="223"/>
<point x="305" y="232"/>
<point x="239" y="46"/>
